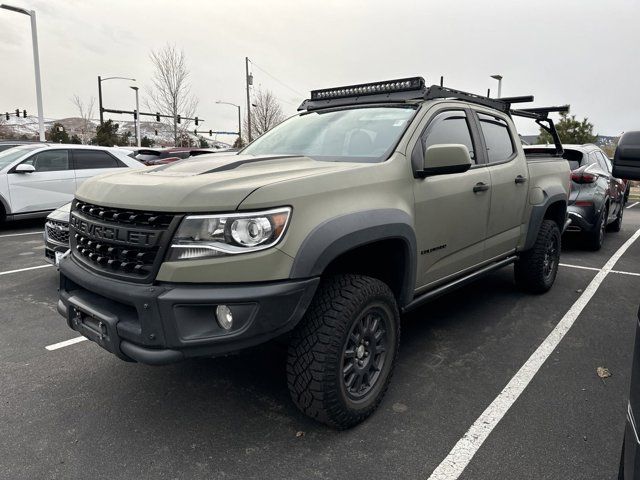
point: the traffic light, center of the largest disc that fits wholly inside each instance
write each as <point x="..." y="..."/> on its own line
<point x="157" y="119"/>
<point x="195" y="132"/>
<point x="156" y="133"/>
<point x="179" y="118"/>
<point x="210" y="132"/>
<point x="24" y="113"/>
<point x="17" y="112"/>
<point x="135" y="115"/>
<point x="196" y="121"/>
<point x="7" y="115"/>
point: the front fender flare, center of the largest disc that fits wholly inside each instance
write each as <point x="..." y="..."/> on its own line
<point x="340" y="234"/>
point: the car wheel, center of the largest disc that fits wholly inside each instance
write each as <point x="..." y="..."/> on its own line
<point x="616" y="226"/>
<point x="342" y="354"/>
<point x="595" y="238"/>
<point x="536" y="269"/>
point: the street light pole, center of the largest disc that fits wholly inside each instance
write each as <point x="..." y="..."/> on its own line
<point x="137" y="115"/>
<point x="499" y="79"/>
<point x="239" y="116"/>
<point x="36" y="62"/>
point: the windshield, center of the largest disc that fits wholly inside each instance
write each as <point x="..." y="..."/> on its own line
<point x="10" y="155"/>
<point x="365" y="134"/>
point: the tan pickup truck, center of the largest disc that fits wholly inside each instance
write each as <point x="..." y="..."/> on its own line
<point x="373" y="200"/>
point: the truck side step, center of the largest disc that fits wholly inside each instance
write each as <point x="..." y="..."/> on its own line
<point x="457" y="283"/>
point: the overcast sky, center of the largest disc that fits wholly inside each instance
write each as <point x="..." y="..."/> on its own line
<point x="582" y="52"/>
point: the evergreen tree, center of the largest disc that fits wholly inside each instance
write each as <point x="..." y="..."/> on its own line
<point x="571" y="130"/>
<point x="75" y="139"/>
<point x="203" y="143"/>
<point x="57" y="134"/>
<point x="107" y="134"/>
<point x="146" y="142"/>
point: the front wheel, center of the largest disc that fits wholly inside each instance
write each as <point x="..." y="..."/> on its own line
<point x="536" y="269"/>
<point x="342" y="354"/>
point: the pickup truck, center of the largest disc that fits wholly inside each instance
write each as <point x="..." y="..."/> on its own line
<point x="373" y="200"/>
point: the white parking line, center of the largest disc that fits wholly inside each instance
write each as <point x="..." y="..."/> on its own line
<point x="621" y="272"/>
<point x="66" y="343"/>
<point x="633" y="204"/>
<point x="29" y="233"/>
<point x="25" y="269"/>
<point x="463" y="452"/>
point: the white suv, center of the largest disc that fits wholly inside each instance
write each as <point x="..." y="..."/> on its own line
<point x="36" y="179"/>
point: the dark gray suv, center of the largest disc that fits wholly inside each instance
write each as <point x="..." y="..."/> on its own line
<point x="596" y="201"/>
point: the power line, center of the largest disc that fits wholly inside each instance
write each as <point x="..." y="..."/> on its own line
<point x="302" y="95"/>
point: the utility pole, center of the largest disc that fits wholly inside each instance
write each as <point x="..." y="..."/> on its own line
<point x="249" y="79"/>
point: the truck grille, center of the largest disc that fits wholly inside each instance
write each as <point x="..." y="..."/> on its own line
<point x="57" y="232"/>
<point x="121" y="243"/>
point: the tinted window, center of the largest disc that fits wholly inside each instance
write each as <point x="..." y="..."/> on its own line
<point x="497" y="137"/>
<point x="449" y="127"/>
<point x="574" y="157"/>
<point x="94" y="159"/>
<point x="50" y="161"/>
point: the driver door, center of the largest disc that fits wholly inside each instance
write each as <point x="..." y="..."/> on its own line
<point x="51" y="185"/>
<point x="451" y="212"/>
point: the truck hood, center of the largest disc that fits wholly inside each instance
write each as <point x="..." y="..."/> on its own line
<point x="205" y="183"/>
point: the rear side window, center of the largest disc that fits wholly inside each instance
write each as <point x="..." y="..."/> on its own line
<point x="50" y="161"/>
<point x="85" y="159"/>
<point x="497" y="137"/>
<point x="449" y="127"/>
<point x="574" y="157"/>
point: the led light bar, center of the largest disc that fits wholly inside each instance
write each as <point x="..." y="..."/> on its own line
<point x="389" y="86"/>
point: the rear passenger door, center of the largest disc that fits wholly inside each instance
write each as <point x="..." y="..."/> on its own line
<point x="89" y="163"/>
<point x="616" y="186"/>
<point x="49" y="187"/>
<point x="509" y="183"/>
<point x="450" y="215"/>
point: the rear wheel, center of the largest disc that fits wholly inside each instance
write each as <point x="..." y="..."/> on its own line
<point x="595" y="238"/>
<point x="536" y="269"/>
<point x="342" y="354"/>
<point x="3" y="215"/>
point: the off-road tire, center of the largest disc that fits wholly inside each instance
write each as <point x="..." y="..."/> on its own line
<point x="594" y="239"/>
<point x="320" y="346"/>
<point x="616" y="226"/>
<point x="536" y="269"/>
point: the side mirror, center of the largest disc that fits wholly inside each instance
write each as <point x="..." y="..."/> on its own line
<point x="446" y="158"/>
<point x="626" y="161"/>
<point x="25" y="168"/>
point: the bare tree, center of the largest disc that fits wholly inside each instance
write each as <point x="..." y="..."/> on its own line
<point x="171" y="92"/>
<point x="86" y="112"/>
<point x="265" y="114"/>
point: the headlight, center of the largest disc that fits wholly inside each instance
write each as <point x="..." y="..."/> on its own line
<point x="201" y="236"/>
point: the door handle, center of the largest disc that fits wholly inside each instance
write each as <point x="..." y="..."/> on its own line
<point x="521" y="179"/>
<point x="480" y="187"/>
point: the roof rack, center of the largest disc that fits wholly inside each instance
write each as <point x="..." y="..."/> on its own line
<point x="414" y="88"/>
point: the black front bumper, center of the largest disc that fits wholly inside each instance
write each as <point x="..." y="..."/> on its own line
<point x="164" y="323"/>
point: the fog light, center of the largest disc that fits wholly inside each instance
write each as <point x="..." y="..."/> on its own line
<point x="224" y="316"/>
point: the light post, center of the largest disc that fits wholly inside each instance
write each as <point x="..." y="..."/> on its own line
<point x="239" y="118"/>
<point x="249" y="81"/>
<point x="36" y="62"/>
<point x="137" y="117"/>
<point x="100" y="80"/>
<point x="499" y="78"/>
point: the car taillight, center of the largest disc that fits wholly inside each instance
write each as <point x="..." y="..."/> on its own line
<point x="582" y="177"/>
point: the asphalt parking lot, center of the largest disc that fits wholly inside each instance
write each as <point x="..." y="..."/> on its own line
<point x="78" y="412"/>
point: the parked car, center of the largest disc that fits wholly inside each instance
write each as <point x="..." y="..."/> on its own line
<point x="36" y="179"/>
<point x="372" y="201"/>
<point x="626" y="164"/>
<point x="596" y="202"/>
<point x="7" y="144"/>
<point x="56" y="234"/>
